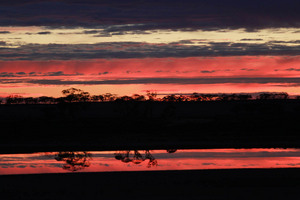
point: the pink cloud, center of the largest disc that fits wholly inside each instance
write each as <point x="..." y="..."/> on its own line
<point x="244" y="66"/>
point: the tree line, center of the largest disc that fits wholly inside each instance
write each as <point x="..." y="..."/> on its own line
<point x="77" y="95"/>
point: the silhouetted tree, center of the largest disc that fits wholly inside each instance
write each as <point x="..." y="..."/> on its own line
<point x="195" y="97"/>
<point x="171" y="150"/>
<point x="97" y="98"/>
<point x="46" y="100"/>
<point x="74" y="160"/>
<point x="30" y="100"/>
<point x="75" y="95"/>
<point x="281" y="95"/>
<point x="109" y="97"/>
<point x="203" y="97"/>
<point x="152" y="161"/>
<point x="14" y="99"/>
<point x="78" y="95"/>
<point x="126" y="157"/>
<point x="228" y="97"/>
<point x="137" y="97"/>
<point x="268" y="96"/>
<point x="124" y="98"/>
<point x="244" y="97"/>
<point x="151" y="95"/>
<point x="171" y="98"/>
<point x="136" y="157"/>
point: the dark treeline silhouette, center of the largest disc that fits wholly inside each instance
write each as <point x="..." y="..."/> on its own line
<point x="77" y="95"/>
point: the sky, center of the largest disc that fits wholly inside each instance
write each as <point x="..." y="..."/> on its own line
<point x="193" y="159"/>
<point x="168" y="46"/>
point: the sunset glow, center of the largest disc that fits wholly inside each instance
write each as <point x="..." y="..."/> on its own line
<point x="99" y="52"/>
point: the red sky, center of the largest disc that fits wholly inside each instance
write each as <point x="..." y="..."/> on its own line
<point x="127" y="47"/>
<point x="16" y="75"/>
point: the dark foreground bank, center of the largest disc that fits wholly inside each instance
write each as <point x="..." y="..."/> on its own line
<point x="207" y="184"/>
<point x="149" y="125"/>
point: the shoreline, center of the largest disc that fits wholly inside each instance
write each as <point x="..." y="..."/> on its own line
<point x="14" y="149"/>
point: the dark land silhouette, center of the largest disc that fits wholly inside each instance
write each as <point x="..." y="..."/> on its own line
<point x="149" y="124"/>
<point x="72" y="95"/>
<point x="81" y="121"/>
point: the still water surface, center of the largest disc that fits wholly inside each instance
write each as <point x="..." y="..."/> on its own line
<point x="145" y="160"/>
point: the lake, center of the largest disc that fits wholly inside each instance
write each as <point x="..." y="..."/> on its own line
<point x="147" y="160"/>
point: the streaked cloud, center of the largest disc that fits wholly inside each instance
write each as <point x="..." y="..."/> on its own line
<point x="293" y="69"/>
<point x="140" y="43"/>
<point x="32" y="74"/>
<point x="44" y="33"/>
<point x="141" y="50"/>
<point x="182" y="81"/>
<point x="4" y="32"/>
<point x="168" y="14"/>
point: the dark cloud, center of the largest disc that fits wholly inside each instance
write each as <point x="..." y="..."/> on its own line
<point x="249" y="39"/>
<point x="161" y="71"/>
<point x="287" y="85"/>
<point x="4" y="32"/>
<point x="103" y="35"/>
<point x="21" y="166"/>
<point x="292" y="69"/>
<point x="142" y="50"/>
<point x="207" y="71"/>
<point x="259" y="80"/>
<point x="59" y="73"/>
<point x="23" y="74"/>
<point x="180" y="42"/>
<point x="90" y="32"/>
<point x="7" y="74"/>
<point x="167" y="14"/>
<point x="285" y="42"/>
<point x="249" y="70"/>
<point x="208" y="164"/>
<point x="44" y="33"/>
<point x="132" y="72"/>
<point x="103" y="73"/>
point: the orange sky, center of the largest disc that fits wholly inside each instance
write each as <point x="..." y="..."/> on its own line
<point x="38" y="60"/>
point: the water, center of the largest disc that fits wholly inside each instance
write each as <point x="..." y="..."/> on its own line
<point x="146" y="160"/>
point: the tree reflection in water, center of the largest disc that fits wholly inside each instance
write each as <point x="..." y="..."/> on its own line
<point x="134" y="156"/>
<point x="74" y="160"/>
